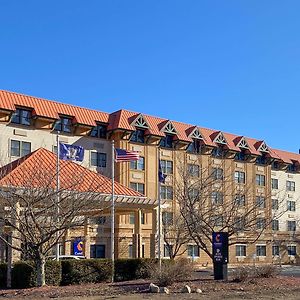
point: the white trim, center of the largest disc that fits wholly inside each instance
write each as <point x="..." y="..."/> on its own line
<point x="140" y="122"/>
<point x="220" y="139"/>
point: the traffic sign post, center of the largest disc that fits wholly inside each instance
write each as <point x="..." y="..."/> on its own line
<point x="220" y="255"/>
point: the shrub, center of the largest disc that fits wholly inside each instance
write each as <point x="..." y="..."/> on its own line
<point x="243" y="273"/>
<point x="133" y="268"/>
<point x="267" y="271"/>
<point x="85" y="271"/>
<point x="3" y="273"/>
<point x="24" y="274"/>
<point x="171" y="271"/>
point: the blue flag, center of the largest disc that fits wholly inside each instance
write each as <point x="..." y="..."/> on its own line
<point x="161" y="175"/>
<point x="71" y="152"/>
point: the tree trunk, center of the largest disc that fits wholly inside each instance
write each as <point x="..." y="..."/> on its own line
<point x="40" y="272"/>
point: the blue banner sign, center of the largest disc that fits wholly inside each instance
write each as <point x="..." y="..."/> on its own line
<point x="78" y="247"/>
<point x="220" y="247"/>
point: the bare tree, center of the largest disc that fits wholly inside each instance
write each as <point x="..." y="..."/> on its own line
<point x="37" y="215"/>
<point x="216" y="198"/>
<point x="175" y="233"/>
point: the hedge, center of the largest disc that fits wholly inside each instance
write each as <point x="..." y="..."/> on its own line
<point x="68" y="272"/>
<point x="85" y="271"/>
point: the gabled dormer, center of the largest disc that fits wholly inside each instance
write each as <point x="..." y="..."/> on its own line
<point x="196" y="134"/>
<point x="140" y="122"/>
<point x="262" y="147"/>
<point x="219" y="138"/>
<point x="242" y="143"/>
<point x="169" y="128"/>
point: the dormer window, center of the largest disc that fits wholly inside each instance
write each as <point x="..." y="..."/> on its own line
<point x="167" y="141"/>
<point x="292" y="168"/>
<point x="261" y="160"/>
<point x="64" y="124"/>
<point x="138" y="136"/>
<point x="194" y="147"/>
<point x="241" y="156"/>
<point x="140" y="121"/>
<point x="275" y="165"/>
<point x="218" y="152"/>
<point x="220" y="139"/>
<point x="21" y="116"/>
<point x="99" y="131"/>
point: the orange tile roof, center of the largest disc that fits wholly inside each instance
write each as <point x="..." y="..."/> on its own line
<point x="51" y="109"/>
<point x="38" y="169"/>
<point x="122" y="119"/>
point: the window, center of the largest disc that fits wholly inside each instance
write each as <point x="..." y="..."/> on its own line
<point x="166" y="166"/>
<point x="260" y="223"/>
<point x="167" y="218"/>
<point x="275" y="204"/>
<point x="98" y="159"/>
<point x="167" y="141"/>
<point x="274" y="183"/>
<point x="218" y="152"/>
<point x="139" y="187"/>
<point x="131" y="218"/>
<point x="63" y="125"/>
<point x="99" y="131"/>
<point x="194" y="147"/>
<point x="166" y="192"/>
<point x="240" y="200"/>
<point x="240" y="250"/>
<point x="291" y="225"/>
<point x="130" y="251"/>
<point x="217" y="197"/>
<point x="290" y="186"/>
<point x="194" y="170"/>
<point x="21" y="116"/>
<point x="260" y="202"/>
<point x="193" y="251"/>
<point x="97" y="251"/>
<point x="261" y="160"/>
<point x="168" y="250"/>
<point x="239" y="177"/>
<point x="19" y="148"/>
<point x="239" y="223"/>
<point x="292" y="168"/>
<point x="260" y="180"/>
<point x="217" y="221"/>
<point x="217" y="173"/>
<point x="291" y="205"/>
<point x="138" y="164"/>
<point x="275" y="165"/>
<point x="138" y="136"/>
<point x="261" y="250"/>
<point x="275" y="250"/>
<point x="143" y="218"/>
<point x="193" y="194"/>
<point x="275" y="225"/>
<point x="292" y="250"/>
<point x="241" y="156"/>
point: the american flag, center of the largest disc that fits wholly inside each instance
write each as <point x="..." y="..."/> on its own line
<point x="123" y="155"/>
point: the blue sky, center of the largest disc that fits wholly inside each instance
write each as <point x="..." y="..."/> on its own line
<point x="227" y="65"/>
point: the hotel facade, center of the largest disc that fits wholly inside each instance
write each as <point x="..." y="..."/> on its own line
<point x="28" y="123"/>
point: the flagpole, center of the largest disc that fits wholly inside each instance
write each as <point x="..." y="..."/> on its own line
<point x="159" y="217"/>
<point x="57" y="193"/>
<point x="113" y="209"/>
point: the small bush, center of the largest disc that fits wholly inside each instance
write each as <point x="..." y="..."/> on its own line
<point x="3" y="273"/>
<point x="244" y="273"/>
<point x="85" y="271"/>
<point x="267" y="271"/>
<point x="171" y="271"/>
<point x="241" y="274"/>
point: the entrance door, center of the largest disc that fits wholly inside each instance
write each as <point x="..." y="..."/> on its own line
<point x="97" y="251"/>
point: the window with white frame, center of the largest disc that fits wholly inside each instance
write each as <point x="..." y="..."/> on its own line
<point x="138" y="164"/>
<point x="261" y="250"/>
<point x="166" y="192"/>
<point x="239" y="177"/>
<point x="291" y="205"/>
<point x="290" y="186"/>
<point x="260" y="202"/>
<point x="260" y="223"/>
<point x="275" y="204"/>
<point x="274" y="183"/>
<point x="217" y="197"/>
<point x="167" y="218"/>
<point x="193" y="251"/>
<point x="291" y="225"/>
<point x="217" y="173"/>
<point x="137" y="186"/>
<point x="240" y="250"/>
<point x="194" y="170"/>
<point x="239" y="223"/>
<point x="260" y="179"/>
<point x="275" y="250"/>
<point x="19" y="148"/>
<point x="98" y="159"/>
<point x="166" y="166"/>
<point x="275" y="225"/>
<point x="240" y="200"/>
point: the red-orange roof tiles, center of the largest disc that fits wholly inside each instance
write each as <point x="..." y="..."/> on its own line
<point x="38" y="170"/>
